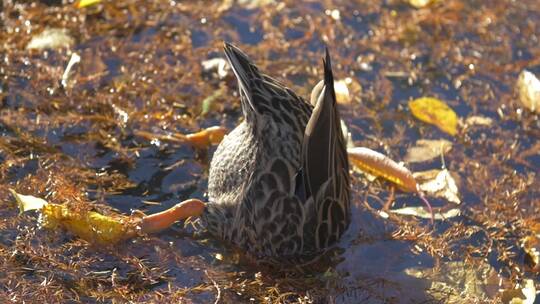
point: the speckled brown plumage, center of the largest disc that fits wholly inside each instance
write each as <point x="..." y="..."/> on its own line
<point x="279" y="182"/>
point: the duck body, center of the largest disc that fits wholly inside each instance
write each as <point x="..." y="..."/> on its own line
<point x="279" y="182"/>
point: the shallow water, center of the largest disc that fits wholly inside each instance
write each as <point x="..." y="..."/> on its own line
<point x="141" y="71"/>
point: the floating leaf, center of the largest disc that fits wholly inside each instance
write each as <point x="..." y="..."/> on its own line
<point x="378" y="164"/>
<point x="439" y="184"/>
<point x="421" y="3"/>
<point x="427" y="149"/>
<point x="51" y="38"/>
<point x="479" y="121"/>
<point x="528" y="87"/>
<point x="88" y="225"/>
<point x="104" y="229"/>
<point x="28" y="202"/>
<point x="85" y="3"/>
<point x="422" y="213"/>
<point x="436" y="112"/>
<point x="346" y="89"/>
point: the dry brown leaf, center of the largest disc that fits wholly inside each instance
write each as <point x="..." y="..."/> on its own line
<point x="427" y="149"/>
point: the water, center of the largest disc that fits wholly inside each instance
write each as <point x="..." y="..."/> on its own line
<point x="144" y="59"/>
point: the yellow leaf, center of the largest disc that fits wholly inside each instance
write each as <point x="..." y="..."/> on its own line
<point x="28" y="202"/>
<point x="421" y="3"/>
<point x="85" y="3"/>
<point x="88" y="225"/>
<point x="346" y="89"/>
<point x="435" y="112"/>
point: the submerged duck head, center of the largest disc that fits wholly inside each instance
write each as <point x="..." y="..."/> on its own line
<point x="279" y="182"/>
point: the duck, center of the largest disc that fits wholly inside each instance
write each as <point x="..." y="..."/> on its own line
<point x="279" y="184"/>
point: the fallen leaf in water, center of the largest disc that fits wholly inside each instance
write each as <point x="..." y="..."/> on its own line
<point x="439" y="184"/>
<point x="88" y="225"/>
<point x="105" y="229"/>
<point x="528" y="87"/>
<point x="28" y="202"/>
<point x="85" y="3"/>
<point x="219" y="65"/>
<point x="520" y="295"/>
<point x="253" y="4"/>
<point x="479" y="121"/>
<point x="461" y="282"/>
<point x="435" y="112"/>
<point x="421" y="3"/>
<point x="51" y="38"/>
<point x="427" y="149"/>
<point x="380" y="165"/>
<point x="342" y="92"/>
<point x="346" y="89"/>
<point x="421" y="212"/>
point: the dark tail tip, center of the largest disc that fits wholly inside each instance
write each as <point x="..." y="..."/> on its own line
<point x="328" y="75"/>
<point x="229" y="47"/>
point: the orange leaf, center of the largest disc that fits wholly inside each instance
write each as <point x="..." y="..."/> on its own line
<point x="378" y="164"/>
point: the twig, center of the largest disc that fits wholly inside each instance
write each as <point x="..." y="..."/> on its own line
<point x="218" y="296"/>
